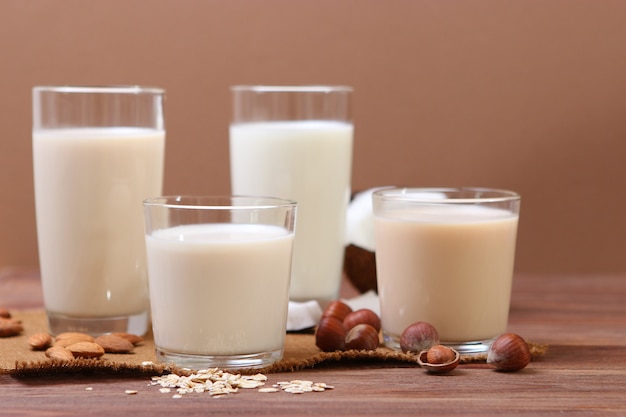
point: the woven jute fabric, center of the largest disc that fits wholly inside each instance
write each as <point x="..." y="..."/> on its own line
<point x="17" y="358"/>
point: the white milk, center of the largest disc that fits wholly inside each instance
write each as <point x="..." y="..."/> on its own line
<point x="89" y="188"/>
<point x="449" y="266"/>
<point x="219" y="289"/>
<point x="309" y="162"/>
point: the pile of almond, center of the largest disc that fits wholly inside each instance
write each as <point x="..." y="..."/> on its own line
<point x="8" y="325"/>
<point x="70" y="345"/>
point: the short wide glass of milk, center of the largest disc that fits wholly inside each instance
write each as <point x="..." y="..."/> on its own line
<point x="219" y="271"/>
<point x="445" y="256"/>
<point x="98" y="152"/>
<point x="295" y="142"/>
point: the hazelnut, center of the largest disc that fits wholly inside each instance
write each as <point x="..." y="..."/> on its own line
<point x="362" y="316"/>
<point x="439" y="354"/>
<point x="5" y="313"/>
<point x="362" y="337"/>
<point x="418" y="336"/>
<point x="337" y="309"/>
<point x="330" y="335"/>
<point x="508" y="352"/>
<point x="439" y="359"/>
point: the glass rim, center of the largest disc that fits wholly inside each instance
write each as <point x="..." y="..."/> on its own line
<point x="98" y="89"/>
<point x="218" y="202"/>
<point x="432" y="195"/>
<point x="292" y="88"/>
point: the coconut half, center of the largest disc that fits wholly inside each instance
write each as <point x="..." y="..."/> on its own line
<point x="359" y="259"/>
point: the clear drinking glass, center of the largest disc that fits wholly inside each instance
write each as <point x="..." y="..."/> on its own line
<point x="445" y="256"/>
<point x="295" y="142"/>
<point x="98" y="152"/>
<point x="219" y="271"/>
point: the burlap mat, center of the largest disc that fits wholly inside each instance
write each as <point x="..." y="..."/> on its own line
<point x="17" y="358"/>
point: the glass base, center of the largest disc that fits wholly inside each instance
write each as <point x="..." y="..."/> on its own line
<point x="197" y="362"/>
<point x="464" y="348"/>
<point x="136" y="324"/>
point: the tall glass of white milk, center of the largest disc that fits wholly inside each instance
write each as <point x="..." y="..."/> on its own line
<point x="296" y="143"/>
<point x="219" y="271"/>
<point x="445" y="256"/>
<point x="98" y="152"/>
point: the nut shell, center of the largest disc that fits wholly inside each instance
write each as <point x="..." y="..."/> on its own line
<point x="438" y="368"/>
<point x="330" y="335"/>
<point x="418" y="336"/>
<point x="360" y="268"/>
<point x="337" y="309"/>
<point x="362" y="337"/>
<point x="509" y="353"/>
<point x="362" y="316"/>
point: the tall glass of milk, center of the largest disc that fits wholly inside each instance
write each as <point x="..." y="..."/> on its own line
<point x="445" y="256"/>
<point x="98" y="152"/>
<point x="296" y="143"/>
<point x="219" y="271"/>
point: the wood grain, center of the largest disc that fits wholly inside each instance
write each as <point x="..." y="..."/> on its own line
<point x="582" y="318"/>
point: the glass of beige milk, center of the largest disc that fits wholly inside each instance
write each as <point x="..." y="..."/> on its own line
<point x="98" y="152"/>
<point x="219" y="272"/>
<point x="295" y="142"/>
<point x="445" y="256"/>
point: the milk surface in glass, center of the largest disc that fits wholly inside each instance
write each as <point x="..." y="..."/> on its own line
<point x="309" y="162"/>
<point x="89" y="186"/>
<point x="447" y="265"/>
<point x="212" y="286"/>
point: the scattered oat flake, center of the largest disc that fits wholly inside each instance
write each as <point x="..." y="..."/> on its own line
<point x="89" y="389"/>
<point x="218" y="383"/>
<point x="130" y="392"/>
<point x="269" y="389"/>
<point x="300" y="387"/>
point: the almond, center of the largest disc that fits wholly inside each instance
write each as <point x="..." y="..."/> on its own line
<point x="132" y="338"/>
<point x="114" y="344"/>
<point x="70" y="341"/>
<point x="40" y="341"/>
<point x="59" y="354"/>
<point x="74" y="335"/>
<point x="10" y="327"/>
<point x="86" y="350"/>
<point x="5" y="313"/>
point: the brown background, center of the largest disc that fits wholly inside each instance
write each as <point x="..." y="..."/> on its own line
<point x="528" y="95"/>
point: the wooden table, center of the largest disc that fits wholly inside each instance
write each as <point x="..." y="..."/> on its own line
<point x="582" y="318"/>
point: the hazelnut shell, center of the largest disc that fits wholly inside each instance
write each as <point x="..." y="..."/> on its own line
<point x="509" y="352"/>
<point x="337" y="309"/>
<point x="330" y="335"/>
<point x="362" y="337"/>
<point x="418" y="336"/>
<point x="438" y="368"/>
<point x="362" y="316"/>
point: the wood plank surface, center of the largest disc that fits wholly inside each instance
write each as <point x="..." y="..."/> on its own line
<point x="582" y="318"/>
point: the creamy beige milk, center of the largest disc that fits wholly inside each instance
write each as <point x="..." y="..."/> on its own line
<point x="309" y="162"/>
<point x="450" y="266"/>
<point x="89" y="188"/>
<point x="219" y="289"/>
